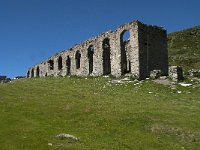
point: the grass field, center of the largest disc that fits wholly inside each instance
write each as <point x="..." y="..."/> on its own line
<point x="136" y="115"/>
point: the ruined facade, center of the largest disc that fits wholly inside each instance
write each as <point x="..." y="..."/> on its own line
<point x="133" y="49"/>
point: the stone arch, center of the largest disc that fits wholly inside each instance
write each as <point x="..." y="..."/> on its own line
<point x="78" y="59"/>
<point x="51" y="64"/>
<point x="60" y="66"/>
<point x="68" y="64"/>
<point x="90" y="58"/>
<point x="37" y="71"/>
<point x="106" y="56"/>
<point x="125" y="53"/>
<point x="32" y="73"/>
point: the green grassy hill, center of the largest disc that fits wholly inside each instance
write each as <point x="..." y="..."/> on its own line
<point x="136" y="115"/>
<point x="184" y="48"/>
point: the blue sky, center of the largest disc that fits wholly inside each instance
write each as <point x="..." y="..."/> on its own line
<point x="33" y="30"/>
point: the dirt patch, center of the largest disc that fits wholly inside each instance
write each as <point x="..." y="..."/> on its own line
<point x="175" y="131"/>
<point x="163" y="81"/>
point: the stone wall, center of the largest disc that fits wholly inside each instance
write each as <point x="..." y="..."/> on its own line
<point x="111" y="53"/>
<point x="153" y="54"/>
<point x="176" y="73"/>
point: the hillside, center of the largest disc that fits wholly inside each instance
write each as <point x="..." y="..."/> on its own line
<point x="102" y="113"/>
<point x="105" y="113"/>
<point x="184" y="48"/>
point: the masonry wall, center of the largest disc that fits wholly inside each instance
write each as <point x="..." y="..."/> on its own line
<point x="109" y="53"/>
<point x="153" y="53"/>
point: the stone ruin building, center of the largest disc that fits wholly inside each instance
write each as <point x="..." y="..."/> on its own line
<point x="111" y="53"/>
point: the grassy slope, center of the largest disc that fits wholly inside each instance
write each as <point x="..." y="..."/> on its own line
<point x="103" y="116"/>
<point x="184" y="48"/>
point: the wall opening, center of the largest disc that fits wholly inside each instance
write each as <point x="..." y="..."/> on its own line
<point x="90" y="58"/>
<point x="38" y="72"/>
<point x="68" y="64"/>
<point x="51" y="64"/>
<point x="60" y="63"/>
<point x="106" y="57"/>
<point x="78" y="59"/>
<point x="28" y="74"/>
<point x="125" y="52"/>
<point x="32" y="73"/>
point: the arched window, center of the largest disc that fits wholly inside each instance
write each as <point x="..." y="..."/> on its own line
<point x="59" y="63"/>
<point x="68" y="64"/>
<point x="51" y="64"/>
<point x="106" y="57"/>
<point x="125" y="58"/>
<point x="90" y="58"/>
<point x="38" y="72"/>
<point x="78" y="59"/>
<point x="32" y="73"/>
